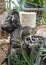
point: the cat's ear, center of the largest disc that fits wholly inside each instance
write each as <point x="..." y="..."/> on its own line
<point x="14" y="12"/>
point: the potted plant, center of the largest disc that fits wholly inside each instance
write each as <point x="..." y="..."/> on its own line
<point x="36" y="3"/>
<point x="35" y="6"/>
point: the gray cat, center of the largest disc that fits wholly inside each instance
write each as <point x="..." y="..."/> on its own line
<point x="17" y="34"/>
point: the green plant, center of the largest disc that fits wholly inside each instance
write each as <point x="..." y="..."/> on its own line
<point x="38" y="58"/>
<point x="38" y="3"/>
<point x="44" y="15"/>
<point x="29" y="59"/>
<point x="19" y="8"/>
<point x="8" y="5"/>
<point x="40" y="21"/>
<point x="43" y="51"/>
<point x="25" y="59"/>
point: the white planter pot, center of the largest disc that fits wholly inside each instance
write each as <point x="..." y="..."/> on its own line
<point x="28" y="19"/>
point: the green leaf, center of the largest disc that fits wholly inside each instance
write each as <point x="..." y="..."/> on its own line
<point x="38" y="58"/>
<point x="26" y="58"/>
<point x="44" y="57"/>
<point x="13" y="2"/>
<point x="44" y="15"/>
<point x="29" y="59"/>
<point x="43" y="49"/>
<point x="9" y="58"/>
<point x="32" y="55"/>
